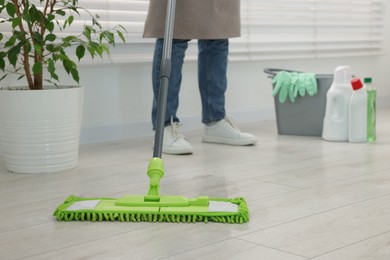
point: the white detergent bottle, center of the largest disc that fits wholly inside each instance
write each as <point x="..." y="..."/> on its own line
<point x="358" y="113"/>
<point x="335" y="127"/>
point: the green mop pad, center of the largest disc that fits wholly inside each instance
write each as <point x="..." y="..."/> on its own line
<point x="153" y="207"/>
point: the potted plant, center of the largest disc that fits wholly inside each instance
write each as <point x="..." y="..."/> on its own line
<point x="40" y="123"/>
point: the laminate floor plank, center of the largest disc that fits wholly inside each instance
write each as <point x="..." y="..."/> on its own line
<point x="308" y="199"/>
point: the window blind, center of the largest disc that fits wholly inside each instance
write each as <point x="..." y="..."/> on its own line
<point x="282" y="29"/>
<point x="271" y="29"/>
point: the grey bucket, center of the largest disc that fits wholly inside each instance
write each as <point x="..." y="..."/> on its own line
<point x="306" y="115"/>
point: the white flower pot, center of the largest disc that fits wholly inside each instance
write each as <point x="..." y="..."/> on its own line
<point x="40" y="129"/>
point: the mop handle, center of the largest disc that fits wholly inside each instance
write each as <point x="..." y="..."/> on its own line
<point x="165" y="73"/>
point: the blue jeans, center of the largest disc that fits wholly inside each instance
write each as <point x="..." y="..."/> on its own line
<point x="212" y="80"/>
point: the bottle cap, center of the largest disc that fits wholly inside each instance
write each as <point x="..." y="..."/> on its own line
<point x="367" y="80"/>
<point x="356" y="83"/>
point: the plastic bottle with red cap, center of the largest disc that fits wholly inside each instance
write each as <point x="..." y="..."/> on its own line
<point x="357" y="113"/>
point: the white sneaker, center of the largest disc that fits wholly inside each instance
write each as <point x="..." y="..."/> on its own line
<point x="226" y="131"/>
<point x="174" y="140"/>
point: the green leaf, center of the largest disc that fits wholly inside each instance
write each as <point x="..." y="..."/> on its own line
<point x="70" y="20"/>
<point x="49" y="26"/>
<point x="59" y="26"/>
<point x="38" y="38"/>
<point x="95" y="21"/>
<point x="80" y="51"/>
<point x="109" y="36"/>
<point x="1" y="36"/>
<point x="11" y="10"/>
<point x="67" y="65"/>
<point x="35" y="14"/>
<point x="75" y="75"/>
<point x="121" y="28"/>
<point x="19" y="35"/>
<point x="50" y="17"/>
<point x="51" y="82"/>
<point x="105" y="48"/>
<point x="15" y="22"/>
<point x="91" y="51"/>
<point x="16" y="49"/>
<point x="98" y="49"/>
<point x="51" y="37"/>
<point x="51" y="68"/>
<point x="1" y="2"/>
<point x="50" y="47"/>
<point x="65" y="45"/>
<point x="88" y="30"/>
<point x="60" y="12"/>
<point x="121" y="36"/>
<point x="74" y="9"/>
<point x="12" y="58"/>
<point x="87" y="33"/>
<point x="62" y="56"/>
<point x="37" y="68"/>
<point x="10" y="42"/>
<point x="70" y="38"/>
<point x="3" y="77"/>
<point x="38" y="49"/>
<point x="28" y="46"/>
<point x="25" y="14"/>
<point x="2" y="63"/>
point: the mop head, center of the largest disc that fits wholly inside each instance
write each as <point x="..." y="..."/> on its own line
<point x="169" y="209"/>
<point x="153" y="207"/>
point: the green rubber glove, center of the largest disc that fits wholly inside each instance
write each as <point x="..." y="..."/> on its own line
<point x="292" y="92"/>
<point x="290" y="84"/>
<point x="311" y="88"/>
<point x="282" y="83"/>
<point x="306" y="83"/>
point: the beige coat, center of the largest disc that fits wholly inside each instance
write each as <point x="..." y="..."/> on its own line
<point x="195" y="19"/>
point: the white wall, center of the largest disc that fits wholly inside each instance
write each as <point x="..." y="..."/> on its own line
<point x="118" y="98"/>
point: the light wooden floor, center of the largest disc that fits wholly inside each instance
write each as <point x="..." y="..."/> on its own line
<point x="308" y="199"/>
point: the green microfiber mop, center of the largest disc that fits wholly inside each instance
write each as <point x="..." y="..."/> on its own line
<point x="153" y="207"/>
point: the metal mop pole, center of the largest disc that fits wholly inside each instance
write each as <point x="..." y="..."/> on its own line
<point x="165" y="72"/>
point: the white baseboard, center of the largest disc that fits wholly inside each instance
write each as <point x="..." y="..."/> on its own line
<point x="141" y="129"/>
<point x="97" y="134"/>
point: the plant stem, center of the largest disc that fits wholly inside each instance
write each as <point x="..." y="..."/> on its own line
<point x="26" y="62"/>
